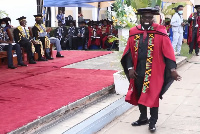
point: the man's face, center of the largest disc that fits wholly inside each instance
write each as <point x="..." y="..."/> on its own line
<point x="180" y="9"/>
<point x="71" y="24"/>
<point x="23" y="23"/>
<point x="146" y="20"/>
<point x="38" y="20"/>
<point x="105" y="23"/>
<point x="59" y="24"/>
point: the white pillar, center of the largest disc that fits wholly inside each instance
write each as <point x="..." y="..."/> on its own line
<point x="189" y="10"/>
<point x="53" y="17"/>
<point x="75" y="15"/>
<point x="94" y="14"/>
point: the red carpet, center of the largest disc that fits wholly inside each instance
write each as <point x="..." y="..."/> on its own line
<point x="42" y="67"/>
<point x="28" y="93"/>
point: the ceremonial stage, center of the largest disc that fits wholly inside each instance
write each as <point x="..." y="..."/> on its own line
<point x="29" y="93"/>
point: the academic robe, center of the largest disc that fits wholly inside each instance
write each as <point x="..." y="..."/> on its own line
<point x="38" y="30"/>
<point x="191" y="30"/>
<point x="157" y="77"/>
<point x="96" y="41"/>
<point x="105" y="35"/>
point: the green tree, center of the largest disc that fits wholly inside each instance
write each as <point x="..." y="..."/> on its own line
<point x="3" y="14"/>
<point x="169" y="10"/>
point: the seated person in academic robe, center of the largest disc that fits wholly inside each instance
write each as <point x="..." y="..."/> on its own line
<point x="22" y="37"/>
<point x="94" y="36"/>
<point x="61" y="34"/>
<point x="72" y="36"/>
<point x="6" y="38"/>
<point x="111" y="41"/>
<point x="41" y="33"/>
<point x="150" y="66"/>
<point x="83" y="34"/>
<point x="105" y="29"/>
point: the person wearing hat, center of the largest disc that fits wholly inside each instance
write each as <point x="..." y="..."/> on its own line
<point x="8" y="45"/>
<point x="194" y="31"/>
<point x="177" y="28"/>
<point x="150" y="65"/>
<point x="94" y="35"/>
<point x="83" y="34"/>
<point x="61" y="33"/>
<point x="40" y="32"/>
<point x="72" y="32"/>
<point x="22" y="36"/>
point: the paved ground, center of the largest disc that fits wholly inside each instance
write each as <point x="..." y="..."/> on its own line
<point x="179" y="111"/>
<point x="106" y="62"/>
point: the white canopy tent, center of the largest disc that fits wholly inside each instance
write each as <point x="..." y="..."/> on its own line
<point x="189" y="2"/>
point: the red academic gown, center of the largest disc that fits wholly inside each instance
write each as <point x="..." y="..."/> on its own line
<point x="190" y="31"/>
<point x="94" y="41"/>
<point x="104" y="38"/>
<point x="159" y="77"/>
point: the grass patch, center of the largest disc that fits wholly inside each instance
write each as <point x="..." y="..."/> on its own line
<point x="185" y="51"/>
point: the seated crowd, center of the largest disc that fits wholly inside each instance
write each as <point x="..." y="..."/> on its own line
<point x="86" y="35"/>
<point x="32" y="40"/>
<point x="37" y="39"/>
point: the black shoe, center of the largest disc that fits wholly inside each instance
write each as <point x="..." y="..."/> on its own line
<point x="59" y="55"/>
<point x="32" y="61"/>
<point x="152" y="128"/>
<point x="49" y="58"/>
<point x="22" y="64"/>
<point x="12" y="67"/>
<point x="140" y="122"/>
<point x="42" y="59"/>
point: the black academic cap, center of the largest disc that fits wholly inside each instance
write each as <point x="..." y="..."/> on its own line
<point x="21" y="18"/>
<point x="196" y="6"/>
<point x="7" y="18"/>
<point x="38" y="15"/>
<point x="154" y="11"/>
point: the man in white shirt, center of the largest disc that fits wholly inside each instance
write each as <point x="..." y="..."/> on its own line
<point x="177" y="28"/>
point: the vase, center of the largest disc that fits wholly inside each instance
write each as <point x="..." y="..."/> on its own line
<point x="122" y="33"/>
<point x="121" y="83"/>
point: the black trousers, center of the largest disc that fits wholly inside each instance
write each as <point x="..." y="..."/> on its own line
<point x="194" y="40"/>
<point x="143" y="109"/>
<point x="9" y="49"/>
<point x="28" y="47"/>
<point x="38" y="50"/>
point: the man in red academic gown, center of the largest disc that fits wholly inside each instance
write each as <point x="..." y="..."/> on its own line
<point x="94" y="32"/>
<point x="150" y="66"/>
<point x="194" y="31"/>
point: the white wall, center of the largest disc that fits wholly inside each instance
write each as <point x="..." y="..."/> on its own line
<point x="18" y="8"/>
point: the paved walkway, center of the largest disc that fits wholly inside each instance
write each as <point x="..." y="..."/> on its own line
<point x="179" y="111"/>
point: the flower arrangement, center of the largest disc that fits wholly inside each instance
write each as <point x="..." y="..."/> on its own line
<point x="124" y="16"/>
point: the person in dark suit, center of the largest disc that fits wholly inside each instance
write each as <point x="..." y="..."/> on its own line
<point x="83" y="35"/>
<point x="22" y="37"/>
<point x="72" y="33"/>
<point x="40" y="32"/>
<point x="61" y="34"/>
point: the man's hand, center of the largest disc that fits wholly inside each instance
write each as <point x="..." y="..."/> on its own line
<point x="48" y="30"/>
<point x="175" y="75"/>
<point x="9" y="42"/>
<point x="132" y="74"/>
